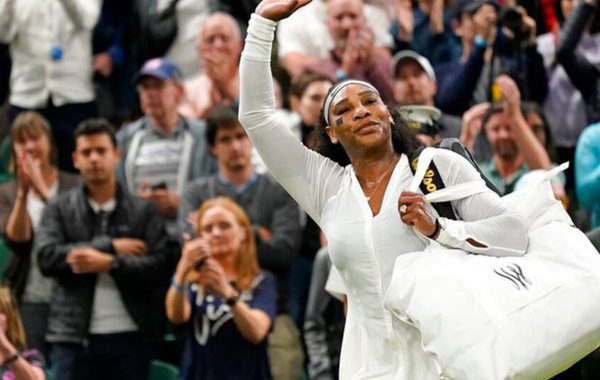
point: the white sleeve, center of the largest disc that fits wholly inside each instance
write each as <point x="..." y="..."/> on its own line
<point x="484" y="216"/>
<point x="310" y="178"/>
<point x="7" y="20"/>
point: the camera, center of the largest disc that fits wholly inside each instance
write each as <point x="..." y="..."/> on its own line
<point x="512" y="19"/>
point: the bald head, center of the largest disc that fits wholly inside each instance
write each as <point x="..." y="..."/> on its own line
<point x="219" y="32"/>
<point x="343" y="16"/>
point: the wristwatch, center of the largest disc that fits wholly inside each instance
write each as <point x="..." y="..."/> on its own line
<point x="231" y="301"/>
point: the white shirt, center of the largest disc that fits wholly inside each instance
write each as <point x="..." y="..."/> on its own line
<point x="33" y="28"/>
<point x="293" y="35"/>
<point x="364" y="247"/>
<point x="109" y="314"/>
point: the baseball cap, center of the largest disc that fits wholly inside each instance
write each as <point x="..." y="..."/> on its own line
<point x="160" y="68"/>
<point x="423" y="119"/>
<point x="404" y="55"/>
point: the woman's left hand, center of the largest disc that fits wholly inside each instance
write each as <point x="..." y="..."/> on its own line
<point x="213" y="277"/>
<point x="417" y="212"/>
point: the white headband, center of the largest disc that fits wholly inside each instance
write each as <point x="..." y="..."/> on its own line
<point x="337" y="88"/>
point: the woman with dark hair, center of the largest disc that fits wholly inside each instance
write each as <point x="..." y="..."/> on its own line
<point x="22" y="201"/>
<point x="354" y="190"/>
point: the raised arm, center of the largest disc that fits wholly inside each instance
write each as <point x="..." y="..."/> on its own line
<point x="309" y="177"/>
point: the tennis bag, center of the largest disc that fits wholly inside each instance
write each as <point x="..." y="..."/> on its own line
<point x="483" y="317"/>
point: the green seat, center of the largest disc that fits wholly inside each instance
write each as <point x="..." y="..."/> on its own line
<point x="160" y="370"/>
<point x="4" y="254"/>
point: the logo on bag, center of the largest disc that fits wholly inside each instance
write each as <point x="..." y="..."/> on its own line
<point x="514" y="273"/>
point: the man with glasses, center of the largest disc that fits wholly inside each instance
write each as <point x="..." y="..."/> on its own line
<point x="162" y="151"/>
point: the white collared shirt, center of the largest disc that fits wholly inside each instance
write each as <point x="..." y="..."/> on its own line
<point x="33" y="28"/>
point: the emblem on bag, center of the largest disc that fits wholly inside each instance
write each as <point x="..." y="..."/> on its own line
<point x="514" y="273"/>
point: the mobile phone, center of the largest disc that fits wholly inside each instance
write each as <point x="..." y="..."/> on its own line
<point x="159" y="186"/>
<point x="496" y="93"/>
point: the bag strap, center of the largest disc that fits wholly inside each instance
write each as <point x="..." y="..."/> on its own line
<point x="425" y="169"/>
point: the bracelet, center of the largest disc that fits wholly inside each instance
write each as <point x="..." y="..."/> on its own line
<point x="178" y="287"/>
<point x="437" y="229"/>
<point x="13" y="358"/>
<point x="480" y="42"/>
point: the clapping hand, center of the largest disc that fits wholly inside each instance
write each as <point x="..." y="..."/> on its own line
<point x="279" y="9"/>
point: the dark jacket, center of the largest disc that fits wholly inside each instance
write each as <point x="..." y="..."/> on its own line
<point x="584" y="75"/>
<point x="68" y="222"/>
<point x="17" y="269"/>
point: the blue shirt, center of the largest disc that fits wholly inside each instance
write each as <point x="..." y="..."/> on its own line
<point x="215" y="349"/>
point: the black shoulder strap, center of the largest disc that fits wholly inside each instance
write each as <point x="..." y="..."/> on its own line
<point x="432" y="181"/>
<point x="456" y="146"/>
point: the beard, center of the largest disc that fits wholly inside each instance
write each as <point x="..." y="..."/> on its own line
<point x="507" y="150"/>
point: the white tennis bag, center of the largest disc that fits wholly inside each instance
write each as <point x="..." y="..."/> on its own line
<point x="483" y="317"/>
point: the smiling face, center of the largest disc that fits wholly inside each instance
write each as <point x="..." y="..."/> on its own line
<point x="359" y="120"/>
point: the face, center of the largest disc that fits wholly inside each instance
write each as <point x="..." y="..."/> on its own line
<point x="95" y="157"/>
<point x="359" y="119"/>
<point x="223" y="232"/>
<point x="232" y="148"/>
<point x="159" y="99"/>
<point x="309" y="106"/>
<point x="500" y="135"/>
<point x="34" y="145"/>
<point x="566" y="7"/>
<point x="219" y="34"/>
<point x="412" y="85"/>
<point x="342" y="17"/>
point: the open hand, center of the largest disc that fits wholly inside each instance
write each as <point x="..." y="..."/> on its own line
<point x="276" y="10"/>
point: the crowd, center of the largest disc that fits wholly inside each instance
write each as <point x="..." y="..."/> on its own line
<point x="140" y="224"/>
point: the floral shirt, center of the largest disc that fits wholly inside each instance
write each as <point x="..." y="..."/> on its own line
<point x="32" y="356"/>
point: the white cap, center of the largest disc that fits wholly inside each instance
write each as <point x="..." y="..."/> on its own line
<point x="409" y="54"/>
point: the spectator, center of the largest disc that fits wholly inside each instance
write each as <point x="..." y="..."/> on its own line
<point x="354" y="54"/>
<point x="113" y="61"/>
<point x="515" y="148"/>
<point x="587" y="172"/>
<point x="18" y="362"/>
<point x="487" y="52"/>
<point x="106" y="250"/>
<point x="228" y="301"/>
<point x="162" y="151"/>
<point x="219" y="48"/>
<point x="51" y="52"/>
<point x="300" y="45"/>
<point x="22" y="202"/>
<point x="426" y="29"/>
<point x="424" y="121"/>
<point x="307" y="93"/>
<point x="414" y="84"/>
<point x="583" y="74"/>
<point x="323" y="324"/>
<point x="564" y="106"/>
<point x="275" y="218"/>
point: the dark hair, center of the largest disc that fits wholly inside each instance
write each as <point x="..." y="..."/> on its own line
<point x="96" y="126"/>
<point x="221" y="116"/>
<point x="495" y="108"/>
<point x="404" y="140"/>
<point x="533" y="107"/>
<point x="302" y="81"/>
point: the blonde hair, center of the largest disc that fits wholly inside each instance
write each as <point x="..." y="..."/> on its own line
<point x="14" y="327"/>
<point x="246" y="262"/>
